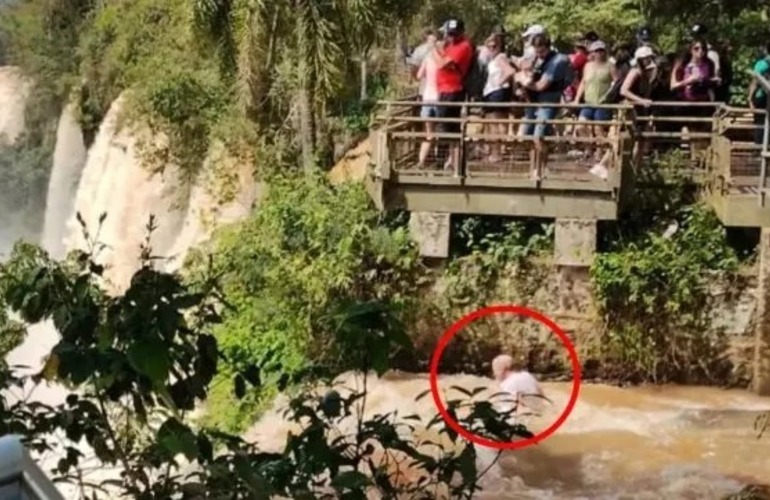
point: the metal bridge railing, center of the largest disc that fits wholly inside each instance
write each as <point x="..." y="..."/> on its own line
<point x="20" y="477"/>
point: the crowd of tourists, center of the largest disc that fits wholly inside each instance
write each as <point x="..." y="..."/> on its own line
<point x="451" y="69"/>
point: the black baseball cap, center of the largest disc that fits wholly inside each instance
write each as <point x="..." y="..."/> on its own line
<point x="499" y="29"/>
<point x="453" y="26"/>
<point x="591" y="37"/>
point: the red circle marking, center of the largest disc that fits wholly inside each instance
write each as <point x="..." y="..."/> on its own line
<point x="480" y="313"/>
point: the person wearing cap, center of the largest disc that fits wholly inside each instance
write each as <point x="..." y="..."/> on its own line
<point x="637" y="89"/>
<point x="643" y="39"/>
<point x="454" y="59"/>
<point x="551" y="75"/>
<point x="531" y="32"/>
<point x="597" y="80"/>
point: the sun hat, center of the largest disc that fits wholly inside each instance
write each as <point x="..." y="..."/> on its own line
<point x="535" y="29"/>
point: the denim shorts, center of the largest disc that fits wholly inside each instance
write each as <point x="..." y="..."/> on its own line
<point x="540" y="129"/>
<point x="596" y="114"/>
<point x="429" y="112"/>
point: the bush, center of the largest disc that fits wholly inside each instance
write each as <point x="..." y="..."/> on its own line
<point x="655" y="298"/>
<point x="138" y="362"/>
<point x="147" y="47"/>
<point x="308" y="248"/>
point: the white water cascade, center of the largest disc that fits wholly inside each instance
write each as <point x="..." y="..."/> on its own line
<point x="107" y="178"/>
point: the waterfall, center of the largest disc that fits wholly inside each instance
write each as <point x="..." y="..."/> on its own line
<point x="116" y="183"/>
<point x="69" y="158"/>
<point x="109" y="178"/>
<point x="14" y="90"/>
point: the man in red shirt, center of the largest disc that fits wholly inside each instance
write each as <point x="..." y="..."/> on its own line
<point x="454" y="60"/>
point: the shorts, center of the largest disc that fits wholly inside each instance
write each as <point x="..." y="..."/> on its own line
<point x="498" y="96"/>
<point x="539" y="129"/>
<point x="428" y="112"/>
<point x="596" y="114"/>
<point x="450" y="112"/>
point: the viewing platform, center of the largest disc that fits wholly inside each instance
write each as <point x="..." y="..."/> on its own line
<point x="723" y="156"/>
<point x="500" y="171"/>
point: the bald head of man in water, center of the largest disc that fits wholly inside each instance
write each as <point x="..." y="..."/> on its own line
<point x="515" y="379"/>
<point x="503" y="365"/>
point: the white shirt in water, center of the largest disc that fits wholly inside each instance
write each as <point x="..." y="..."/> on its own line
<point x="522" y="386"/>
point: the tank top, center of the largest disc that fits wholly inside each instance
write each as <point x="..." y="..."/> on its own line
<point x="430" y="83"/>
<point x="598" y="81"/>
<point x="697" y="92"/>
<point x="643" y="85"/>
<point x="495" y="71"/>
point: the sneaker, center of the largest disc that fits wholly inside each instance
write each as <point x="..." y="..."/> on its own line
<point x="600" y="171"/>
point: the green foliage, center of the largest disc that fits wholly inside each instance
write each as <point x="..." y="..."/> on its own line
<point x="568" y="19"/>
<point x="137" y="362"/>
<point x="653" y="291"/>
<point x="309" y="248"/>
<point x="490" y="248"/>
<point x="145" y="46"/>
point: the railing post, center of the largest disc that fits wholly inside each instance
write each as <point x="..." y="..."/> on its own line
<point x="461" y="169"/>
<point x="763" y="158"/>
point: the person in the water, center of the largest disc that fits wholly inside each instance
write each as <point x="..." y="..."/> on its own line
<point x="515" y="380"/>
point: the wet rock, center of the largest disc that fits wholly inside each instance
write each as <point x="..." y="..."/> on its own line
<point x="751" y="492"/>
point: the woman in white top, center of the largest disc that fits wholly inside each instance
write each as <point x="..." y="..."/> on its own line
<point x="427" y="76"/>
<point x="497" y="90"/>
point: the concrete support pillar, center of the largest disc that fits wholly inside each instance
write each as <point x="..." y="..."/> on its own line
<point x="431" y="232"/>
<point x="761" y="378"/>
<point x="575" y="243"/>
<point x="574" y="252"/>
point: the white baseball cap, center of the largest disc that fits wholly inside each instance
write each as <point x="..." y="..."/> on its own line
<point x="643" y="52"/>
<point x="535" y="29"/>
<point x="597" y="45"/>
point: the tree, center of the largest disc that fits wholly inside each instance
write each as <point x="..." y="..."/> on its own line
<point x="138" y="362"/>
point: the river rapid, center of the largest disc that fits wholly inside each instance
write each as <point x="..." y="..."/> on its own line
<point x="618" y="443"/>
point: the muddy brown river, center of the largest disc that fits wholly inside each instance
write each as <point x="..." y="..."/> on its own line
<point x="618" y="443"/>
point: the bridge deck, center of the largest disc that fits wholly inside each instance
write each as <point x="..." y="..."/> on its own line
<point x="499" y="170"/>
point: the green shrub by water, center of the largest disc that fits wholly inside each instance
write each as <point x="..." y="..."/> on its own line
<point x="308" y="248"/>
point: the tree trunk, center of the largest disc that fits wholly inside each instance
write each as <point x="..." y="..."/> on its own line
<point x="400" y="52"/>
<point x="364" y="77"/>
<point x="305" y="90"/>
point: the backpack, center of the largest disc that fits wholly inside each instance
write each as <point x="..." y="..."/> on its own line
<point x="476" y="78"/>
